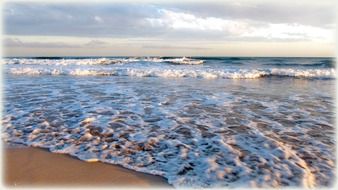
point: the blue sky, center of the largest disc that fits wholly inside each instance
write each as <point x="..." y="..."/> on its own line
<point x="202" y="28"/>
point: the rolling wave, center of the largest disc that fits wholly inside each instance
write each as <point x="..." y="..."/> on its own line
<point x="319" y="64"/>
<point x="179" y="73"/>
<point x="102" y="61"/>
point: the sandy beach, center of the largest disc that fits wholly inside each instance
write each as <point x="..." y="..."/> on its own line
<point x="26" y="166"/>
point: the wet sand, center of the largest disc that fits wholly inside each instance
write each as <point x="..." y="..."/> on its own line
<point x="26" y="166"/>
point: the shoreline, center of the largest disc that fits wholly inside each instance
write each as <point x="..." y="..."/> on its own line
<point x="30" y="166"/>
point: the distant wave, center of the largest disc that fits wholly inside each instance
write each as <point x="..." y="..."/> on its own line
<point x="102" y="61"/>
<point x="179" y="73"/>
<point x="323" y="64"/>
<point x="276" y="62"/>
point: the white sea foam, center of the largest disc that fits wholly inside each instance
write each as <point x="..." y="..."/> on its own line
<point x="179" y="73"/>
<point x="185" y="61"/>
<point x="193" y="135"/>
<point x="148" y="67"/>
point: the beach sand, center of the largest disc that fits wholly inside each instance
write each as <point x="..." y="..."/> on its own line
<point x="26" y="166"/>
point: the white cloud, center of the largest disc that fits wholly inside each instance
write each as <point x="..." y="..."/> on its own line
<point x="185" y="21"/>
<point x="98" y="19"/>
<point x="291" y="31"/>
<point x="16" y="42"/>
<point x="96" y="43"/>
<point x="239" y="28"/>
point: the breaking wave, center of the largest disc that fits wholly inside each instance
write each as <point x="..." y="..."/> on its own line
<point x="179" y="73"/>
<point x="102" y="61"/>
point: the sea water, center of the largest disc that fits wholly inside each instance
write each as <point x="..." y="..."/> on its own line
<point x="228" y="121"/>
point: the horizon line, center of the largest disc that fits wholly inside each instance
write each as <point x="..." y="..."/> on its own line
<point x="112" y="56"/>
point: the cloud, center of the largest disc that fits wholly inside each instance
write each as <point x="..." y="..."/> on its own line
<point x="15" y="42"/>
<point x="237" y="29"/>
<point x="98" y="19"/>
<point x="305" y="12"/>
<point x="174" y="47"/>
<point x="96" y="43"/>
<point x="184" y="21"/>
<point x="10" y="42"/>
<point x="86" y="20"/>
<point x="216" y="21"/>
<point x="290" y="32"/>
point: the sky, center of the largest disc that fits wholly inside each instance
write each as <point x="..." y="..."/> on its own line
<point x="169" y="28"/>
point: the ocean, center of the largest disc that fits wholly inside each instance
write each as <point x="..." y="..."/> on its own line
<point x="198" y="122"/>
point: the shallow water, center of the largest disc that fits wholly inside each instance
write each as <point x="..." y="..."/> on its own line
<point x="200" y="132"/>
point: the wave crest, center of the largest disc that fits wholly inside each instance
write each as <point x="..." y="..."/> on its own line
<point x="103" y="61"/>
<point x="179" y="73"/>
